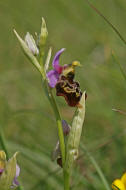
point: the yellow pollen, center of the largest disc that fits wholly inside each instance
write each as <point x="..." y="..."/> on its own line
<point x="76" y="63"/>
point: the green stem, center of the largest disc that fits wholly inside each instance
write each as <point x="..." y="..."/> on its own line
<point x="61" y="140"/>
<point x="59" y="123"/>
<point x="66" y="180"/>
<point x="52" y="101"/>
<point x="98" y="169"/>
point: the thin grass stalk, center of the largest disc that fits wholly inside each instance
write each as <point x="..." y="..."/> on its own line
<point x="107" y="21"/>
<point x="98" y="169"/>
<point x="118" y="63"/>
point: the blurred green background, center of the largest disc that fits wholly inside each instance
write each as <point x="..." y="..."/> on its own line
<point x="25" y="114"/>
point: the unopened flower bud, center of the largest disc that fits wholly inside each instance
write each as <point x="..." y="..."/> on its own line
<point x="31" y="44"/>
<point x="59" y="162"/>
<point x="43" y="34"/>
<point x="66" y="127"/>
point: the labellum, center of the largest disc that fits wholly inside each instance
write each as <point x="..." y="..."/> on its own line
<point x="69" y="89"/>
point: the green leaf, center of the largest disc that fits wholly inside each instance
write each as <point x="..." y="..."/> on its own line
<point x="7" y="177"/>
<point x="75" y="134"/>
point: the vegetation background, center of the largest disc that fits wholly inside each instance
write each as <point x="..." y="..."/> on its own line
<point x="25" y="114"/>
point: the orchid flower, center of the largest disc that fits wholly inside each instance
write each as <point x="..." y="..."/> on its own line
<point x="62" y="78"/>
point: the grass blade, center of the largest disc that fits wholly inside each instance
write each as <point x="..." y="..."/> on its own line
<point x="106" y="20"/>
<point x="98" y="169"/>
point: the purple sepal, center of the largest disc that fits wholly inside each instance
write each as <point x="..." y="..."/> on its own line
<point x="53" y="77"/>
<point x="55" y="62"/>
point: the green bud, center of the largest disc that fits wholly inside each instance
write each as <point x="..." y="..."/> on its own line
<point x="74" y="135"/>
<point x="43" y="34"/>
<point x="7" y="177"/>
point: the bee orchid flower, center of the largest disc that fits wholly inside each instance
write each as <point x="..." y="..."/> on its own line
<point x="62" y="78"/>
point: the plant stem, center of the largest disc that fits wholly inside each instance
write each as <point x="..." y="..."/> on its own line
<point x="66" y="180"/>
<point x="98" y="169"/>
<point x="60" y="129"/>
<point x="52" y="101"/>
<point x="54" y="106"/>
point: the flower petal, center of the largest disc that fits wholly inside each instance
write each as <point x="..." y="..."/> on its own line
<point x="53" y="77"/>
<point x="55" y="62"/>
